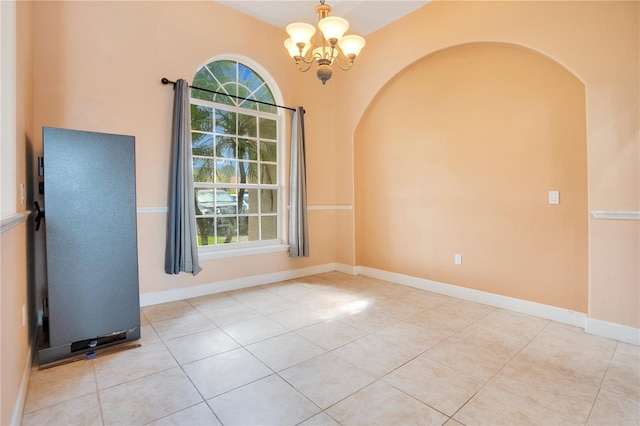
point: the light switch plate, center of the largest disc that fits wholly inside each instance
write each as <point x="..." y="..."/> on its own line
<point x="554" y="197"/>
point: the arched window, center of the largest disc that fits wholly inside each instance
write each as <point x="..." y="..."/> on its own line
<point x="235" y="157"/>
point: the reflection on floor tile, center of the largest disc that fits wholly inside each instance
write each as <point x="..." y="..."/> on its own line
<point x="200" y="345"/>
<point x="321" y="419"/>
<point x="382" y="404"/>
<point x="435" y="384"/>
<point x="148" y="398"/>
<point x="612" y="408"/>
<point x="254" y="330"/>
<point x="285" y="351"/>
<point x="222" y="373"/>
<point x="199" y="414"/>
<point x="492" y="406"/>
<point x="327" y="379"/>
<point x="120" y="367"/>
<point x="269" y="401"/>
<point x="84" y="410"/>
<point x="297" y="318"/>
<point x="182" y="326"/>
<point x="623" y="374"/>
<point x="562" y="368"/>
<point x="165" y="311"/>
<point x="331" y="334"/>
<point x="380" y="355"/>
<point x="335" y="349"/>
<point x="54" y="385"/>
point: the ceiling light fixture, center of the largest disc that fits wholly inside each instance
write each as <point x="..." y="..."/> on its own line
<point x="333" y="46"/>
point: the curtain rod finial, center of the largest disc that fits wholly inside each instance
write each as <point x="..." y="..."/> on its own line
<point x="165" y="80"/>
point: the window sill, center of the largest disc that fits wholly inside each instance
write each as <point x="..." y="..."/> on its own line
<point x="204" y="254"/>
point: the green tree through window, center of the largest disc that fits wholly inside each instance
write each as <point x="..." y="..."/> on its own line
<point x="235" y="156"/>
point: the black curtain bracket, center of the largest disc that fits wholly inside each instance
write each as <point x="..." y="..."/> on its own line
<point x="173" y="83"/>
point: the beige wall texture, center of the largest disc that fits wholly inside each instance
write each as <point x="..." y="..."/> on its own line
<point x="598" y="42"/>
<point x="456" y="155"/>
<point x="97" y="65"/>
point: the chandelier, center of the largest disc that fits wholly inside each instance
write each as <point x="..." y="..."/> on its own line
<point x="329" y="47"/>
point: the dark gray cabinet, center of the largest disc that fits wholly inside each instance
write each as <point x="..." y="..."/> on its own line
<point x="91" y="242"/>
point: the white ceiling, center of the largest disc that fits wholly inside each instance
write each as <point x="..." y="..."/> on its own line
<point x="364" y="16"/>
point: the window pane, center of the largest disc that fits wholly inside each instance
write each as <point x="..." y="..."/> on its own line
<point x="206" y="231"/>
<point x="269" y="227"/>
<point x="268" y="174"/>
<point x="225" y="71"/>
<point x="247" y="125"/>
<point x="205" y="204"/>
<point x="201" y="118"/>
<point x="251" y="198"/>
<point x="248" y="77"/>
<point x="227" y="230"/>
<point x="225" y="203"/>
<point x="202" y="144"/>
<point x="268" y="129"/>
<point x="223" y="99"/>
<point x="264" y="94"/>
<point x="205" y="80"/>
<point x="268" y="151"/>
<point x="202" y="170"/>
<point x="231" y="89"/>
<point x="269" y="200"/>
<point x="243" y="228"/>
<point x="254" y="228"/>
<point x="247" y="149"/>
<point x="225" y="122"/>
<point x="247" y="95"/>
<point x="225" y="171"/>
<point x="248" y="172"/>
<point x="225" y="147"/>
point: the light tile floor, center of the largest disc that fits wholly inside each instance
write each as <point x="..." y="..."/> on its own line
<point x="336" y="349"/>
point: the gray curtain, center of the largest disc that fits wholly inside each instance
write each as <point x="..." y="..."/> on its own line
<point x="182" y="244"/>
<point x="298" y="229"/>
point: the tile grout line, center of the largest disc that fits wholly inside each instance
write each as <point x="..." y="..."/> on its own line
<point x="613" y="354"/>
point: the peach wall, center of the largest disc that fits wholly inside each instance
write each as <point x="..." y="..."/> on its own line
<point x="457" y="154"/>
<point x="98" y="67"/>
<point x="14" y="270"/>
<point x="15" y="337"/>
<point x="599" y="43"/>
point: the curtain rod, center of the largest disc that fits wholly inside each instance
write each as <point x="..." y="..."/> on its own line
<point x="167" y="81"/>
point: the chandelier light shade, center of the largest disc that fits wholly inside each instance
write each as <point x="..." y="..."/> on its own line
<point x="329" y="46"/>
<point x="333" y="27"/>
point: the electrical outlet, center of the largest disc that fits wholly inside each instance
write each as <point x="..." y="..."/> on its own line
<point x="24" y="316"/>
<point x="22" y="194"/>
<point x="458" y="259"/>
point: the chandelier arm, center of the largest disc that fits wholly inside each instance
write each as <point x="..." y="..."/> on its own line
<point x="309" y="58"/>
<point x="340" y="57"/>
<point x="302" y="59"/>
<point x="303" y="68"/>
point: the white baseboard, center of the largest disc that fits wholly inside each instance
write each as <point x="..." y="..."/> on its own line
<point x="613" y="331"/>
<point x="21" y="397"/>
<point x="154" y="298"/>
<point x="590" y="325"/>
<point x="540" y="310"/>
<point x="347" y="269"/>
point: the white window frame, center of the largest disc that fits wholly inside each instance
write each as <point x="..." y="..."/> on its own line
<point x="254" y="247"/>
